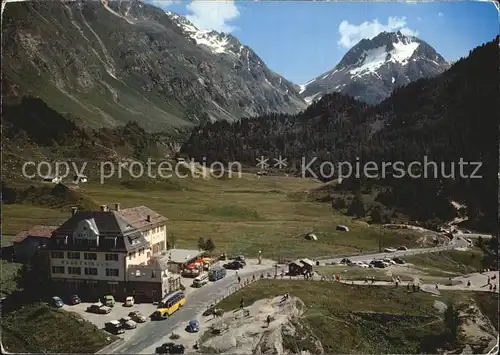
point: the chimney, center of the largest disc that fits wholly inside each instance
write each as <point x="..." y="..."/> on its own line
<point x="148" y="218"/>
<point x="117" y="206"/>
<point x="104" y="208"/>
<point x="74" y="210"/>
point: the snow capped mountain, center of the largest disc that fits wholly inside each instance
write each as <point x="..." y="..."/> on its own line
<point x="242" y="59"/>
<point x="372" y="69"/>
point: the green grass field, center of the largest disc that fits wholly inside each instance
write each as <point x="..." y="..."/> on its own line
<point x="37" y="328"/>
<point x="448" y="263"/>
<point x="344" y="317"/>
<point x="241" y="215"/>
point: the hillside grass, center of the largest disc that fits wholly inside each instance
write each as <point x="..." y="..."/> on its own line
<point x="448" y="263"/>
<point x="8" y="278"/>
<point x="341" y="317"/>
<point x="38" y="328"/>
<point x="241" y="215"/>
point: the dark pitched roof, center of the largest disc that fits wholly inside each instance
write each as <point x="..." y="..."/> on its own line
<point x="107" y="222"/>
<point x="137" y="217"/>
<point x="38" y="231"/>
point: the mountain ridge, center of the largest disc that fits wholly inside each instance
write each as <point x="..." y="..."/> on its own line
<point x="107" y="63"/>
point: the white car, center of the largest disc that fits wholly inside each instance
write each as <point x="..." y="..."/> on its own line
<point x="129" y="301"/>
<point x="389" y="250"/>
<point x="128" y="323"/>
<point x="389" y="261"/>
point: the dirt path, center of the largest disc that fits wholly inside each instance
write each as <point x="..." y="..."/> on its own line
<point x="479" y="282"/>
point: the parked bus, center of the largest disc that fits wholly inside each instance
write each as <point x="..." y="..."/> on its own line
<point x="200" y="280"/>
<point x="169" y="305"/>
<point x="217" y="273"/>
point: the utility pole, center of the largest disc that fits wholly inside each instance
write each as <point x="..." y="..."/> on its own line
<point x="380" y="239"/>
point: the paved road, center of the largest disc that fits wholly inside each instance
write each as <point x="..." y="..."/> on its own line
<point x="154" y="331"/>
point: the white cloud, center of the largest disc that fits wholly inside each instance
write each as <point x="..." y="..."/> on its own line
<point x="213" y="15"/>
<point x="164" y="3"/>
<point x="440" y="14"/>
<point x="351" y="34"/>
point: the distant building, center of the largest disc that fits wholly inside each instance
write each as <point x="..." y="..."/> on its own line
<point x="26" y="243"/>
<point x="103" y="252"/>
<point x="300" y="267"/>
<point x="178" y="259"/>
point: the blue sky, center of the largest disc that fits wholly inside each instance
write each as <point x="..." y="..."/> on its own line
<point x="302" y="39"/>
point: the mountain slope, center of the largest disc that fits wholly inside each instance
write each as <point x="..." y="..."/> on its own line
<point x="450" y="118"/>
<point x="109" y="63"/>
<point x="372" y="69"/>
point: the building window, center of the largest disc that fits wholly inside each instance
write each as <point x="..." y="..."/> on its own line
<point x="73" y="255"/>
<point x="74" y="270"/>
<point x="141" y="252"/>
<point x="91" y="271"/>
<point x="112" y="272"/>
<point x="92" y="243"/>
<point x="90" y="256"/>
<point x="57" y="255"/>
<point x="58" y="269"/>
<point x="111" y="257"/>
<point x="79" y="241"/>
<point x="112" y="287"/>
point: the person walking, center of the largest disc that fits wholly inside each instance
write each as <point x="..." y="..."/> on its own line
<point x="268" y="320"/>
<point x="241" y="303"/>
<point x="239" y="279"/>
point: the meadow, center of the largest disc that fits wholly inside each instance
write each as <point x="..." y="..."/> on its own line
<point x="242" y="215"/>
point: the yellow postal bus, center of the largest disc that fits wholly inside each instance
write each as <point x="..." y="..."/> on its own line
<point x="169" y="305"/>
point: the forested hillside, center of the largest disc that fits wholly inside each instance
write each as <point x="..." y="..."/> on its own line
<point x="448" y="118"/>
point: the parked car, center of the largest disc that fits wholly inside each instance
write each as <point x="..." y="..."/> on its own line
<point x="109" y="301"/>
<point x="193" y="326"/>
<point x="241" y="259"/>
<point x="234" y="265"/>
<point x="342" y="228"/>
<point x="57" y="302"/>
<point x="129" y="301"/>
<point x="402" y="248"/>
<point x="346" y="261"/>
<point x="177" y="349"/>
<point x="170" y="348"/>
<point x="217" y="273"/>
<point x="137" y="316"/>
<point x="114" y="327"/>
<point x="389" y="250"/>
<point x="98" y="309"/>
<point x="128" y="323"/>
<point x="74" y="299"/>
<point x="389" y="261"/>
<point x="379" y="264"/>
<point x="398" y="260"/>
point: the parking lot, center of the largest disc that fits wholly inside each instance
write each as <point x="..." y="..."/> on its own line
<point x="119" y="311"/>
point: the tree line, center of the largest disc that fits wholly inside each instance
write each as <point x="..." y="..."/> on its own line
<point x="448" y="118"/>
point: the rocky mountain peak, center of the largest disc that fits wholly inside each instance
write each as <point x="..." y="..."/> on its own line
<point x="371" y="69"/>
